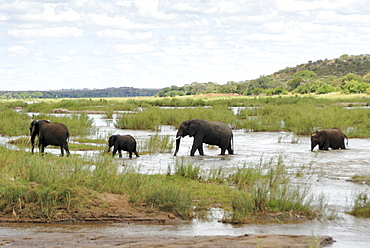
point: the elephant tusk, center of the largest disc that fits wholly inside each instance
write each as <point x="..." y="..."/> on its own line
<point x="178" y="137"/>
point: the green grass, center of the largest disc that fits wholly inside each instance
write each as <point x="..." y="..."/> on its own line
<point x="157" y="144"/>
<point x="361" y="206"/>
<point x="78" y="125"/>
<point x="40" y="187"/>
<point x="303" y="116"/>
<point x="13" y="123"/>
<point x="152" y="118"/>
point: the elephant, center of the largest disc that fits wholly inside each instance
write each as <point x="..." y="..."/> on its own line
<point x="55" y="134"/>
<point x="333" y="138"/>
<point x="209" y="132"/>
<point x="122" y="143"/>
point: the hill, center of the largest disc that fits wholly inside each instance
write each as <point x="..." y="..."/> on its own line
<point x="347" y="74"/>
<point x="345" y="64"/>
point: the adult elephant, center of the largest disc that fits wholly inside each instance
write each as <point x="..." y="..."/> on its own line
<point x="333" y="138"/>
<point x="122" y="143"/>
<point x="209" y="132"/>
<point x="55" y="134"/>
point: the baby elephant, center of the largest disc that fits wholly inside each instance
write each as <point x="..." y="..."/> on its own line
<point x="122" y="143"/>
<point x="333" y="138"/>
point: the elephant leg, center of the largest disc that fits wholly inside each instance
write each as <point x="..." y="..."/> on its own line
<point x="137" y="155"/>
<point x="42" y="148"/>
<point x="130" y="154"/>
<point x="120" y="153"/>
<point x="61" y="151"/>
<point x="200" y="149"/>
<point x="197" y="145"/>
<point x="114" y="152"/>
<point x="230" y="150"/>
<point x="192" y="151"/>
<point x="223" y="150"/>
<point x="67" y="150"/>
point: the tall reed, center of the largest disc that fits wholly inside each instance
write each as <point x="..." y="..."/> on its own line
<point x="152" y="118"/>
<point x="13" y="123"/>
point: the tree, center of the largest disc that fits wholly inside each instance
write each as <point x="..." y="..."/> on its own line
<point x="37" y="94"/>
<point x="366" y="78"/>
<point x="355" y="87"/>
<point x="306" y="74"/>
<point x="325" y="89"/>
<point x="24" y="95"/>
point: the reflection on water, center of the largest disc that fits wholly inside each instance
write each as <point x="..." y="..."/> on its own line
<point x="327" y="174"/>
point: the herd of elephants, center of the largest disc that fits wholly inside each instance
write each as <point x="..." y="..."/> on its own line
<point x="209" y="132"/>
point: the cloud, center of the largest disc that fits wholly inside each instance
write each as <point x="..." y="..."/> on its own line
<point x="162" y="43"/>
<point x="124" y="35"/>
<point x="18" y="49"/>
<point x="58" y="32"/>
<point x="135" y="48"/>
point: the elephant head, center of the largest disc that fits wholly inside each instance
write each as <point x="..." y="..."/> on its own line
<point x="318" y="138"/>
<point x="112" y="139"/>
<point x="189" y="127"/>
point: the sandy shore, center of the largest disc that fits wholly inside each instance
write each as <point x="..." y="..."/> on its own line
<point x="89" y="240"/>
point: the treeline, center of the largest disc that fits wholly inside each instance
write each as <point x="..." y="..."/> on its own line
<point x="80" y="93"/>
<point x="347" y="74"/>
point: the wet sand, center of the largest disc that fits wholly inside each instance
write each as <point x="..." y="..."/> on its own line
<point x="89" y="240"/>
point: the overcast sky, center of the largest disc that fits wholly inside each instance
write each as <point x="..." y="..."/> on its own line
<point x="75" y="44"/>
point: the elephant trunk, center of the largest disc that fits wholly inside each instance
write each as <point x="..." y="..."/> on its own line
<point x="313" y="144"/>
<point x="178" y="138"/>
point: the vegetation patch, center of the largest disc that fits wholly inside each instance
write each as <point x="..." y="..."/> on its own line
<point x="55" y="189"/>
<point x="361" y="206"/>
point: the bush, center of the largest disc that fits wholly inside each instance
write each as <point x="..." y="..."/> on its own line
<point x="325" y="89"/>
<point x="355" y="87"/>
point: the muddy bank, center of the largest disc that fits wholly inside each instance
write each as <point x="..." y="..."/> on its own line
<point x="116" y="209"/>
<point x="89" y="240"/>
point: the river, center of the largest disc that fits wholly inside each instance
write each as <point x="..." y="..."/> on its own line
<point x="326" y="172"/>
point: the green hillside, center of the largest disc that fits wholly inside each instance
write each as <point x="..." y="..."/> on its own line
<point x="345" y="64"/>
<point x="346" y="74"/>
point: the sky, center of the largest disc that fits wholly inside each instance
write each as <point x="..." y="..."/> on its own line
<point x="97" y="44"/>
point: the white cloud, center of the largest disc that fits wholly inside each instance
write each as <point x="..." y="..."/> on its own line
<point x="136" y="48"/>
<point x="58" y="32"/>
<point x="94" y="43"/>
<point x="18" y="49"/>
<point x="123" y="34"/>
<point x="65" y="59"/>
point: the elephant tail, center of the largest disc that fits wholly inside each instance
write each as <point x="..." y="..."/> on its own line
<point x="232" y="143"/>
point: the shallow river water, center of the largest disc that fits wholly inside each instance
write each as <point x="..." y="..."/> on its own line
<point x="327" y="174"/>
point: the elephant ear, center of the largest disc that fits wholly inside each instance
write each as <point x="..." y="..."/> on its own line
<point x="35" y="127"/>
<point x="322" y="135"/>
<point x="194" y="128"/>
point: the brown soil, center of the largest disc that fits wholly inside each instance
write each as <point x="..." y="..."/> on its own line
<point x="116" y="208"/>
<point x="106" y="208"/>
<point x="90" y="240"/>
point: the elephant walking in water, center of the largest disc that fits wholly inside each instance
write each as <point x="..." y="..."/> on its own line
<point x="55" y="134"/>
<point x="333" y="138"/>
<point x="209" y="132"/>
<point x="122" y="143"/>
